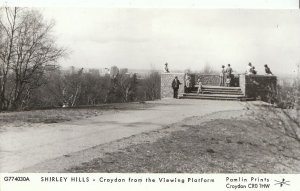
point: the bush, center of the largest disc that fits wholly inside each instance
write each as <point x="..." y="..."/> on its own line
<point x="286" y="95"/>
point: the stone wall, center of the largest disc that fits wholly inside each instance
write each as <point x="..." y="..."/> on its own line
<point x="166" y="84"/>
<point x="261" y="87"/>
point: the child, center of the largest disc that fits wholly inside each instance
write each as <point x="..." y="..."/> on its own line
<point x="199" y="86"/>
<point x="228" y="80"/>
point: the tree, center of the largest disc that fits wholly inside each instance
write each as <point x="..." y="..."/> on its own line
<point x="151" y="86"/>
<point x="72" y="87"/>
<point x="94" y="89"/>
<point x="27" y="47"/>
<point x="123" y="88"/>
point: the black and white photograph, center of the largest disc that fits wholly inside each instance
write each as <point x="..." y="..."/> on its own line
<point x="149" y="90"/>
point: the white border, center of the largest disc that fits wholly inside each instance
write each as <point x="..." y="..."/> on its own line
<point x="227" y="4"/>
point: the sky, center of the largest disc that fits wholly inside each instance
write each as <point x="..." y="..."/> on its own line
<point x="188" y="38"/>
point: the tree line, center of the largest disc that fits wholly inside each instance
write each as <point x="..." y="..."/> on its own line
<point x="69" y="89"/>
<point x="30" y="76"/>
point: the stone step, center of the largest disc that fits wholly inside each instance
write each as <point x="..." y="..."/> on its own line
<point x="217" y="97"/>
<point x="223" y="90"/>
<point x="209" y="98"/>
<point x="219" y="92"/>
<point x="220" y="87"/>
<point x="214" y="95"/>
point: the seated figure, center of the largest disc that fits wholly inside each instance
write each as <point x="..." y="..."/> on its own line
<point x="166" y="69"/>
<point x="268" y="70"/>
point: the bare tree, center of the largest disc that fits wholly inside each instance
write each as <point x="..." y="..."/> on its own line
<point x="72" y="85"/>
<point x="26" y="49"/>
<point x="152" y="86"/>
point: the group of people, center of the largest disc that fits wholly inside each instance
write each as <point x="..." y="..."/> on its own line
<point x="176" y="83"/>
<point x="251" y="69"/>
<point x="226" y="76"/>
<point x="189" y="85"/>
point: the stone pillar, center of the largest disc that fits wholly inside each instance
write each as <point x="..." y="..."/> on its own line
<point x="242" y="81"/>
<point x="166" y="90"/>
<point x="259" y="86"/>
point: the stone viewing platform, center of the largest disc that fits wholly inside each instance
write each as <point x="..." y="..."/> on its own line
<point x="243" y="87"/>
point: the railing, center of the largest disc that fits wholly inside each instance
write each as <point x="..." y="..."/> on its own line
<point x="212" y="79"/>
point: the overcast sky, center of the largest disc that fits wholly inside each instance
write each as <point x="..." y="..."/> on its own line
<point x="185" y="38"/>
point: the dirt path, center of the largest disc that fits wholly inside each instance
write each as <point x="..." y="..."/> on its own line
<point x="25" y="147"/>
<point x="240" y="143"/>
<point x="257" y="139"/>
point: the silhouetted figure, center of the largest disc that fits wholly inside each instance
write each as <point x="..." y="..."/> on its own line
<point x="175" y="86"/>
<point x="267" y="70"/>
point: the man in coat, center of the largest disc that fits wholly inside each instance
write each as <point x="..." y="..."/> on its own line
<point x="175" y="86"/>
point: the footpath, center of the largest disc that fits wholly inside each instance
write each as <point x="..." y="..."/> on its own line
<point x="26" y="147"/>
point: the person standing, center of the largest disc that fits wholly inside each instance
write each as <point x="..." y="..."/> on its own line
<point x="222" y="76"/>
<point x="188" y="83"/>
<point x="228" y="75"/>
<point x="229" y="70"/>
<point x="175" y="86"/>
